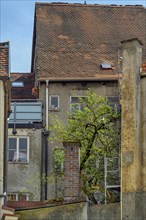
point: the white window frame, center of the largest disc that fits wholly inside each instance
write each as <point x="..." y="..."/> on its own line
<point x="17" y="149"/>
<point x="77" y="103"/>
<point x="17" y="194"/>
<point x="53" y="107"/>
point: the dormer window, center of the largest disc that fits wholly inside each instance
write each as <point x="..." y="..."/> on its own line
<point x="17" y="84"/>
<point x="106" y="66"/>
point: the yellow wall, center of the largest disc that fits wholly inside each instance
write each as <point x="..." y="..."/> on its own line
<point x="1" y="139"/>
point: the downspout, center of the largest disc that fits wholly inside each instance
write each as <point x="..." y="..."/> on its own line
<point x="5" y="168"/>
<point x="46" y="135"/>
<point x="47" y="103"/>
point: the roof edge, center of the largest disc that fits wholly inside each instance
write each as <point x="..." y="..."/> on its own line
<point x="88" y="5"/>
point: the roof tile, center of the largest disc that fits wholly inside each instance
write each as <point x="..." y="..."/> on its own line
<point x="74" y="40"/>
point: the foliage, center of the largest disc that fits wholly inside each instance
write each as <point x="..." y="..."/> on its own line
<point x="96" y="128"/>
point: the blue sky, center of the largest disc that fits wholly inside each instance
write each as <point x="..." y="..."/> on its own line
<point x="16" y="26"/>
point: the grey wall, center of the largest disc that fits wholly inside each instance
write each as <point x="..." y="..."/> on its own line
<point x="65" y="90"/>
<point x="105" y="212"/>
<point x="75" y="211"/>
<point x="25" y="177"/>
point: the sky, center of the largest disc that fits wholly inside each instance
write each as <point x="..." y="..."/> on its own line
<point x="16" y="26"/>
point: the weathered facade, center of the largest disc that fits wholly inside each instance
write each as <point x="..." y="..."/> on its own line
<point x="5" y="212"/>
<point x="132" y="149"/>
<point x="76" y="47"/>
<point x="25" y="140"/>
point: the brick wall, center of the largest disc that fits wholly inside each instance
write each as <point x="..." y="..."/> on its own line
<point x="71" y="170"/>
<point x="4" y="59"/>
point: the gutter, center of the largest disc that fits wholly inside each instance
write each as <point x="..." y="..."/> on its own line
<point x="79" y="79"/>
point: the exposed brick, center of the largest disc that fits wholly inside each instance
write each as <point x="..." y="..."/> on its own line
<point x="4" y="59"/>
<point x="72" y="169"/>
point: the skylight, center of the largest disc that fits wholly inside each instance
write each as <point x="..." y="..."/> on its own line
<point x="17" y="84"/>
<point x="106" y="66"/>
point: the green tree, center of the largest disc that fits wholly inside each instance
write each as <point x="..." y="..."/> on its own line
<point x="96" y="128"/>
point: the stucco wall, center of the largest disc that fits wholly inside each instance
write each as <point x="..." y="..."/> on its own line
<point x="143" y="130"/>
<point x="74" y="211"/>
<point x="65" y="90"/>
<point x="105" y="212"/>
<point x="143" y="140"/>
<point x="25" y="177"/>
<point x="1" y="139"/>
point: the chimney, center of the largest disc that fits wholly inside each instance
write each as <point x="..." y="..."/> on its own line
<point x="71" y="170"/>
<point x="130" y="139"/>
<point x="4" y="59"/>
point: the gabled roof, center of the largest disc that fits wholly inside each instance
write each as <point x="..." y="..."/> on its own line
<point x="73" y="40"/>
<point x="22" y="92"/>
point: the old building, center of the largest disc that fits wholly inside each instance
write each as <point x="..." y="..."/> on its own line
<point x="25" y="142"/>
<point x="76" y="47"/>
<point x="5" y="89"/>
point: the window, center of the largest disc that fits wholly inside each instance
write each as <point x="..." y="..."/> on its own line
<point x="75" y="103"/>
<point x="106" y="66"/>
<point x="17" y="84"/>
<point x="18" y="196"/>
<point x="18" y="149"/>
<point x="113" y="101"/>
<point x="54" y="102"/>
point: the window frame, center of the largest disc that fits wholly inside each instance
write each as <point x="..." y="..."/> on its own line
<point x="17" y="194"/>
<point x="18" y="150"/>
<point x="77" y="103"/>
<point x="50" y="106"/>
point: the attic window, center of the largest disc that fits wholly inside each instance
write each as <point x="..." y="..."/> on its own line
<point x="17" y="84"/>
<point x="106" y="66"/>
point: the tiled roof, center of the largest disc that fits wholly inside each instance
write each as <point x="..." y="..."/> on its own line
<point x="4" y="59"/>
<point x="22" y="92"/>
<point x="72" y="40"/>
<point x="20" y="205"/>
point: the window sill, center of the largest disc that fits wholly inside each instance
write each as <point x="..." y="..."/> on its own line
<point x="17" y="162"/>
<point x="54" y="110"/>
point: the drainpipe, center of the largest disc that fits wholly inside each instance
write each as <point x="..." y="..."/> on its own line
<point x="47" y="103"/>
<point x="5" y="168"/>
<point x="46" y="135"/>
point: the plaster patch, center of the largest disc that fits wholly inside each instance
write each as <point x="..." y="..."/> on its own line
<point x="128" y="157"/>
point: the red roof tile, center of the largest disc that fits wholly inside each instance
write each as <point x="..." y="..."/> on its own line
<point x="22" y="92"/>
<point x="71" y="40"/>
<point x="144" y="68"/>
<point x="4" y="59"/>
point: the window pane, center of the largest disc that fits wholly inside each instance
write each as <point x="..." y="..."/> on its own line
<point x="22" y="143"/>
<point x="22" y="197"/>
<point x="23" y="156"/>
<point x="75" y="107"/>
<point x="75" y="100"/>
<point x="11" y="197"/>
<point x="12" y="155"/>
<point x="54" y="101"/>
<point x="12" y="143"/>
